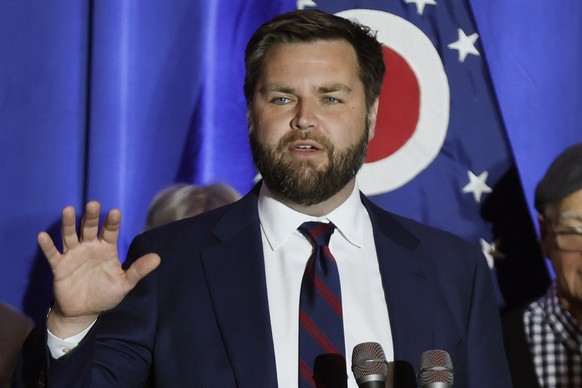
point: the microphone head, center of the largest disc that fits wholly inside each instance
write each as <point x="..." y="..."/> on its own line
<point x="369" y="362"/>
<point x="435" y="367"/>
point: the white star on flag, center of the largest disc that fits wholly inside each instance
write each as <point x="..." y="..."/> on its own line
<point x="301" y="4"/>
<point x="420" y="4"/>
<point x="477" y="185"/>
<point x="488" y="250"/>
<point x="465" y="45"/>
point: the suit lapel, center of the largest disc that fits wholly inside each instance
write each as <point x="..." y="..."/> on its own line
<point x="407" y="281"/>
<point x="236" y="280"/>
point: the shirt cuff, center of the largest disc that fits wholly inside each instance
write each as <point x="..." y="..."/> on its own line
<point x="59" y="347"/>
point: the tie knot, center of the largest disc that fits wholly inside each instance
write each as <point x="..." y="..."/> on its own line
<point x="318" y="233"/>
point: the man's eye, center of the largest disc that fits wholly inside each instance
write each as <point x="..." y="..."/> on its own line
<point x="331" y="100"/>
<point x="280" y="100"/>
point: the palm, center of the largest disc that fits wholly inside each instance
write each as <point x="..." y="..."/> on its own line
<point x="88" y="277"/>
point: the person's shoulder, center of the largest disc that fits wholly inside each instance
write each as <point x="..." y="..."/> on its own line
<point x="13" y="320"/>
<point x="513" y="316"/>
<point x="532" y="309"/>
<point x="410" y="228"/>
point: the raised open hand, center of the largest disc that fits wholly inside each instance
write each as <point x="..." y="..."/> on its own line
<point x="88" y="277"/>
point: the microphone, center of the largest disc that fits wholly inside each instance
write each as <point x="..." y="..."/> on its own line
<point x="369" y="365"/>
<point x="436" y="369"/>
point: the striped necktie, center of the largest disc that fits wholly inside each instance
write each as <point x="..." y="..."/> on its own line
<point x="321" y="332"/>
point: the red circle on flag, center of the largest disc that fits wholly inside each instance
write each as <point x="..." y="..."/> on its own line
<point x="413" y="114"/>
<point x="398" y="110"/>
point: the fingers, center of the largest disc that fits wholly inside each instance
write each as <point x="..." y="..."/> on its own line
<point x="47" y="246"/>
<point x="110" y="230"/>
<point x="69" y="228"/>
<point x="89" y="230"/>
<point x="90" y="223"/>
<point x="141" y="267"/>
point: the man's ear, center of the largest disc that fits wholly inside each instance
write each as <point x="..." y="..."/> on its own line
<point x="372" y="116"/>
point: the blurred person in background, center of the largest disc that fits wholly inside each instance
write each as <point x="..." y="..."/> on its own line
<point x="14" y="327"/>
<point x="183" y="200"/>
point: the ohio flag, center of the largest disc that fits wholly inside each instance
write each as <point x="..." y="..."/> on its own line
<point x="441" y="154"/>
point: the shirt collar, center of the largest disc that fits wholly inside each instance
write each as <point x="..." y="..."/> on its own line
<point x="279" y="221"/>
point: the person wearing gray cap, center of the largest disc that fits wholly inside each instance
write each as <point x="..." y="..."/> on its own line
<point x="544" y="340"/>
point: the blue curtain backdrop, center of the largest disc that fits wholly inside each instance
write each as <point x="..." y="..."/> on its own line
<point x="534" y="52"/>
<point x="114" y="100"/>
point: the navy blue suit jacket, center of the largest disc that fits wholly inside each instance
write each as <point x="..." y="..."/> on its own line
<point x="201" y="319"/>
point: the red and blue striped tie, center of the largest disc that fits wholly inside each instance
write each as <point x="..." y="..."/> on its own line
<point x="321" y="331"/>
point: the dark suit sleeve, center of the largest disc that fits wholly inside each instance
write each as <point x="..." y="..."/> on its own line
<point x="115" y="353"/>
<point x="31" y="367"/>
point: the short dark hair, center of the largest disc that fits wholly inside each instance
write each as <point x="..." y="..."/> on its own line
<point x="563" y="177"/>
<point x="310" y="26"/>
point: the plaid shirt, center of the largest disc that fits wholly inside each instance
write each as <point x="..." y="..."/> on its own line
<point x="555" y="341"/>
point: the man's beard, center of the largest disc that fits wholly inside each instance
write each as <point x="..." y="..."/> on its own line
<point x="302" y="181"/>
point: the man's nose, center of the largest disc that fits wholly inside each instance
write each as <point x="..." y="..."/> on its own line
<point x="305" y="116"/>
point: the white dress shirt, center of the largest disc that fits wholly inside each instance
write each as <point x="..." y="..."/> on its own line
<point x="286" y="253"/>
